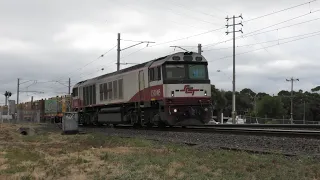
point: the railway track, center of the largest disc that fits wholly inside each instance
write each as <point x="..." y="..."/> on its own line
<point x="252" y="140"/>
<point x="276" y="126"/>
<point x="302" y="132"/>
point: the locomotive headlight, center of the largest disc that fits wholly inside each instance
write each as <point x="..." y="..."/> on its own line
<point x="172" y="93"/>
<point x="175" y="110"/>
<point x="205" y="93"/>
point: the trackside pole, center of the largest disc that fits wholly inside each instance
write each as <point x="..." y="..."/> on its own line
<point x="221" y="118"/>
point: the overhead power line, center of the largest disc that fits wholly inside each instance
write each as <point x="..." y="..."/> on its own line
<point x="249" y="34"/>
<point x="206" y="32"/>
<point x="276" y="29"/>
<point x="276" y="12"/>
<point x="101" y="56"/>
<point x="166" y="42"/>
<point x="225" y="57"/>
<point x="282" y="22"/>
<point x="275" y="40"/>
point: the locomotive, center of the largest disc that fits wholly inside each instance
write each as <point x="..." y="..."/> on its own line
<point x="173" y="90"/>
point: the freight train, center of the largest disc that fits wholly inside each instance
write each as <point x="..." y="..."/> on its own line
<point x="173" y="90"/>
<point x="44" y="110"/>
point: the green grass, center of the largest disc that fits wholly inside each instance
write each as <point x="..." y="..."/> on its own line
<point x="96" y="156"/>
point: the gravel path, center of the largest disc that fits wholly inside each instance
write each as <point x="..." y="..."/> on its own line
<point x="285" y="145"/>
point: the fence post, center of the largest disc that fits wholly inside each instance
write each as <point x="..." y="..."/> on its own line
<point x="221" y="118"/>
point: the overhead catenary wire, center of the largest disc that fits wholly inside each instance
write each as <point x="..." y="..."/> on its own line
<point x="217" y="29"/>
<point x="276" y="12"/>
<point x="101" y="56"/>
<point x="225" y="57"/>
<point x="277" y="29"/>
<point x="264" y="42"/>
<point x="248" y="34"/>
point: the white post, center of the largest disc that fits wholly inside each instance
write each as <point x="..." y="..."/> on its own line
<point x="221" y="118"/>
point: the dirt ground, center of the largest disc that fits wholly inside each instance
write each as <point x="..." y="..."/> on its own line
<point x="46" y="154"/>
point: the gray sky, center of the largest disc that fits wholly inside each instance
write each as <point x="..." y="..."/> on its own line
<point x="46" y="41"/>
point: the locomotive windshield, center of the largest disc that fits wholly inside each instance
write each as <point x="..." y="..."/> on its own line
<point x="197" y="71"/>
<point x="176" y="73"/>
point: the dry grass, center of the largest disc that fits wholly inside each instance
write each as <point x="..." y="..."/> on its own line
<point x="95" y="156"/>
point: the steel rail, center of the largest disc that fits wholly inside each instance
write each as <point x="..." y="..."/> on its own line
<point x="291" y="126"/>
<point x="295" y="133"/>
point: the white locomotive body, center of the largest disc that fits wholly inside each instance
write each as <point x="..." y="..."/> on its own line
<point x="171" y="90"/>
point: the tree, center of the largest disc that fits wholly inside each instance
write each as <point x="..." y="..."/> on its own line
<point x="248" y="92"/>
<point x="304" y="103"/>
<point x="270" y="107"/>
<point x="219" y="100"/>
<point x="316" y="89"/>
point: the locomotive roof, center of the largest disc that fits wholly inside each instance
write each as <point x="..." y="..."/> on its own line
<point x="138" y="66"/>
<point x="122" y="70"/>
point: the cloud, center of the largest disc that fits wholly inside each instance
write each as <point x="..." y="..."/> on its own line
<point x="49" y="41"/>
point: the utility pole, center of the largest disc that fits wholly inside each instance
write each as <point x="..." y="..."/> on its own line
<point x="119" y="49"/>
<point x="69" y="86"/>
<point x="199" y="49"/>
<point x="234" y="63"/>
<point x="304" y="112"/>
<point x="118" y="53"/>
<point x="31" y="102"/>
<point x="18" y="92"/>
<point x="291" y="113"/>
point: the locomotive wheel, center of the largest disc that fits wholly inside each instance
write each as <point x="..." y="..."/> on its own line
<point x="150" y="125"/>
<point x="137" y="125"/>
<point x="161" y="124"/>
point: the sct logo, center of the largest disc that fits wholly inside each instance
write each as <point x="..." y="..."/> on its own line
<point x="189" y="90"/>
<point x="155" y="92"/>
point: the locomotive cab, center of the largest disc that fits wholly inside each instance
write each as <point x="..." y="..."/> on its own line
<point x="187" y="90"/>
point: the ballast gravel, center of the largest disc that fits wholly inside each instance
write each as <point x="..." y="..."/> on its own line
<point x="252" y="143"/>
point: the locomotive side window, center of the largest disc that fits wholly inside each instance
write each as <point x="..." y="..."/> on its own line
<point x="90" y="95"/>
<point x="94" y="94"/>
<point x="101" y="92"/>
<point x="85" y="94"/>
<point x="120" y="82"/>
<point x="105" y="91"/>
<point x="151" y="74"/>
<point x="110" y="90"/>
<point x="155" y="74"/>
<point x="115" y="89"/>
<point x="75" y="92"/>
<point x="159" y="73"/>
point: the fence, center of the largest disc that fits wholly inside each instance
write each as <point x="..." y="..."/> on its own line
<point x="260" y="120"/>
